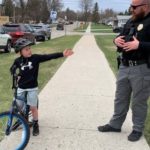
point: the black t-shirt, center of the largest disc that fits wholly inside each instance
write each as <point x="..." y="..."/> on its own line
<point x="29" y="67"/>
<point x="142" y="33"/>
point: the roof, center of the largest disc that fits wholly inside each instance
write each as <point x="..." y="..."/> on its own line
<point x="120" y="17"/>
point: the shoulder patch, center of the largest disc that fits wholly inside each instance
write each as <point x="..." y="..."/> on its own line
<point x="140" y="27"/>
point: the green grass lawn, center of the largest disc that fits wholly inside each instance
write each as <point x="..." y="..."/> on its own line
<point x="95" y="28"/>
<point x="109" y="50"/>
<point x="102" y="31"/>
<point x="100" y="26"/>
<point x="107" y="46"/>
<point x="47" y="69"/>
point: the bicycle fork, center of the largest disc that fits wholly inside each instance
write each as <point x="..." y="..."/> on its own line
<point x="10" y="119"/>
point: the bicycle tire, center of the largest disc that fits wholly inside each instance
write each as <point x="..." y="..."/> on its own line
<point x="25" y="136"/>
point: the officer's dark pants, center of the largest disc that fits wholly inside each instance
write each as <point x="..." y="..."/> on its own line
<point x="132" y="83"/>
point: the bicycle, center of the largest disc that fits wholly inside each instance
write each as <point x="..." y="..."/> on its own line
<point x="11" y="120"/>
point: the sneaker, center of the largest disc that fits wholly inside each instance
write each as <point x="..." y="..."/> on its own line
<point x="134" y="136"/>
<point x="108" y="128"/>
<point x="35" y="129"/>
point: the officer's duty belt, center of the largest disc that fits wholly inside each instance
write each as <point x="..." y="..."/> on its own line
<point x="130" y="63"/>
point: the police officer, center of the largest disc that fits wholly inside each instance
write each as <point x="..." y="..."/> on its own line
<point x="133" y="81"/>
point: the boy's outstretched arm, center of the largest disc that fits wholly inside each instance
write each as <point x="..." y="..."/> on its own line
<point x="46" y="57"/>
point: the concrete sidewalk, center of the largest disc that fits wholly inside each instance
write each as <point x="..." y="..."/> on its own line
<point x="78" y="99"/>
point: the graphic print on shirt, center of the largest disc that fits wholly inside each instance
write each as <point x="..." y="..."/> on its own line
<point x="27" y="66"/>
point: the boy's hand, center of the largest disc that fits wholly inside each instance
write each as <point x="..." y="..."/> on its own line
<point x="68" y="52"/>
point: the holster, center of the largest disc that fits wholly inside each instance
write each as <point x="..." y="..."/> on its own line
<point x="118" y="61"/>
<point x="148" y="62"/>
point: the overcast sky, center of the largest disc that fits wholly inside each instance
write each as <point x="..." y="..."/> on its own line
<point x="117" y="5"/>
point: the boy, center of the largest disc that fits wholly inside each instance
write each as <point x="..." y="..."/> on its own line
<point x="28" y="65"/>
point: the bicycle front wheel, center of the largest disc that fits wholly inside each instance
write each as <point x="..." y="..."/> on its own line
<point x="18" y="139"/>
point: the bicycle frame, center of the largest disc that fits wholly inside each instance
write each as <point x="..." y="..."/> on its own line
<point x="15" y="108"/>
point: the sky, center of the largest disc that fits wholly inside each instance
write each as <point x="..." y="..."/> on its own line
<point x="117" y="5"/>
<point x="0" y="2"/>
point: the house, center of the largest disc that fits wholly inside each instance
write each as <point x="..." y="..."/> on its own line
<point x="120" y="21"/>
<point x="108" y="21"/>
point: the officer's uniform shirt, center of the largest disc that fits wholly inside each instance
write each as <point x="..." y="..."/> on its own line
<point x="142" y="33"/>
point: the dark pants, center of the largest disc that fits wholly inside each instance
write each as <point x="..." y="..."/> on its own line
<point x="133" y="83"/>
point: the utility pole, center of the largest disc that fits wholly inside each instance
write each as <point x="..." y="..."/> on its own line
<point x="65" y="25"/>
<point x="50" y="7"/>
<point x="1" y="7"/>
<point x="0" y="10"/>
<point x="14" y="11"/>
<point x="49" y="4"/>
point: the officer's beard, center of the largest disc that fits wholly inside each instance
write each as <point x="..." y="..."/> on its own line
<point x="136" y="17"/>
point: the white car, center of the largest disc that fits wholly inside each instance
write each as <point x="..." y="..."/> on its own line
<point x="5" y="40"/>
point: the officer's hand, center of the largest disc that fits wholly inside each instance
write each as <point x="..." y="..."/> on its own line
<point x="68" y="52"/>
<point x="133" y="45"/>
<point x="119" y="41"/>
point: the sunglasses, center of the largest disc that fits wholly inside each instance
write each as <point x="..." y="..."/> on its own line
<point x="136" y="6"/>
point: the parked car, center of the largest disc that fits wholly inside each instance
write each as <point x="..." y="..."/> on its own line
<point x="43" y="31"/>
<point x="39" y="36"/>
<point x="17" y="31"/>
<point x="70" y="22"/>
<point x="60" y="26"/>
<point x="110" y="23"/>
<point x="5" y="40"/>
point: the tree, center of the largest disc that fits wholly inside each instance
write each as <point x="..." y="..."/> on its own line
<point x="86" y="6"/>
<point x="127" y="12"/>
<point x="44" y="11"/>
<point x="121" y="13"/>
<point x="38" y="10"/>
<point x="109" y="13"/>
<point x="34" y="10"/>
<point x="23" y="9"/>
<point x="71" y="15"/>
<point x="56" y="5"/>
<point x="8" y="9"/>
<point x="95" y="15"/>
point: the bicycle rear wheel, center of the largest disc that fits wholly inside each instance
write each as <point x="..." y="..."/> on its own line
<point x="16" y="140"/>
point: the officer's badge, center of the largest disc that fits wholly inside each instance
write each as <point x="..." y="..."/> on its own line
<point x="140" y="27"/>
